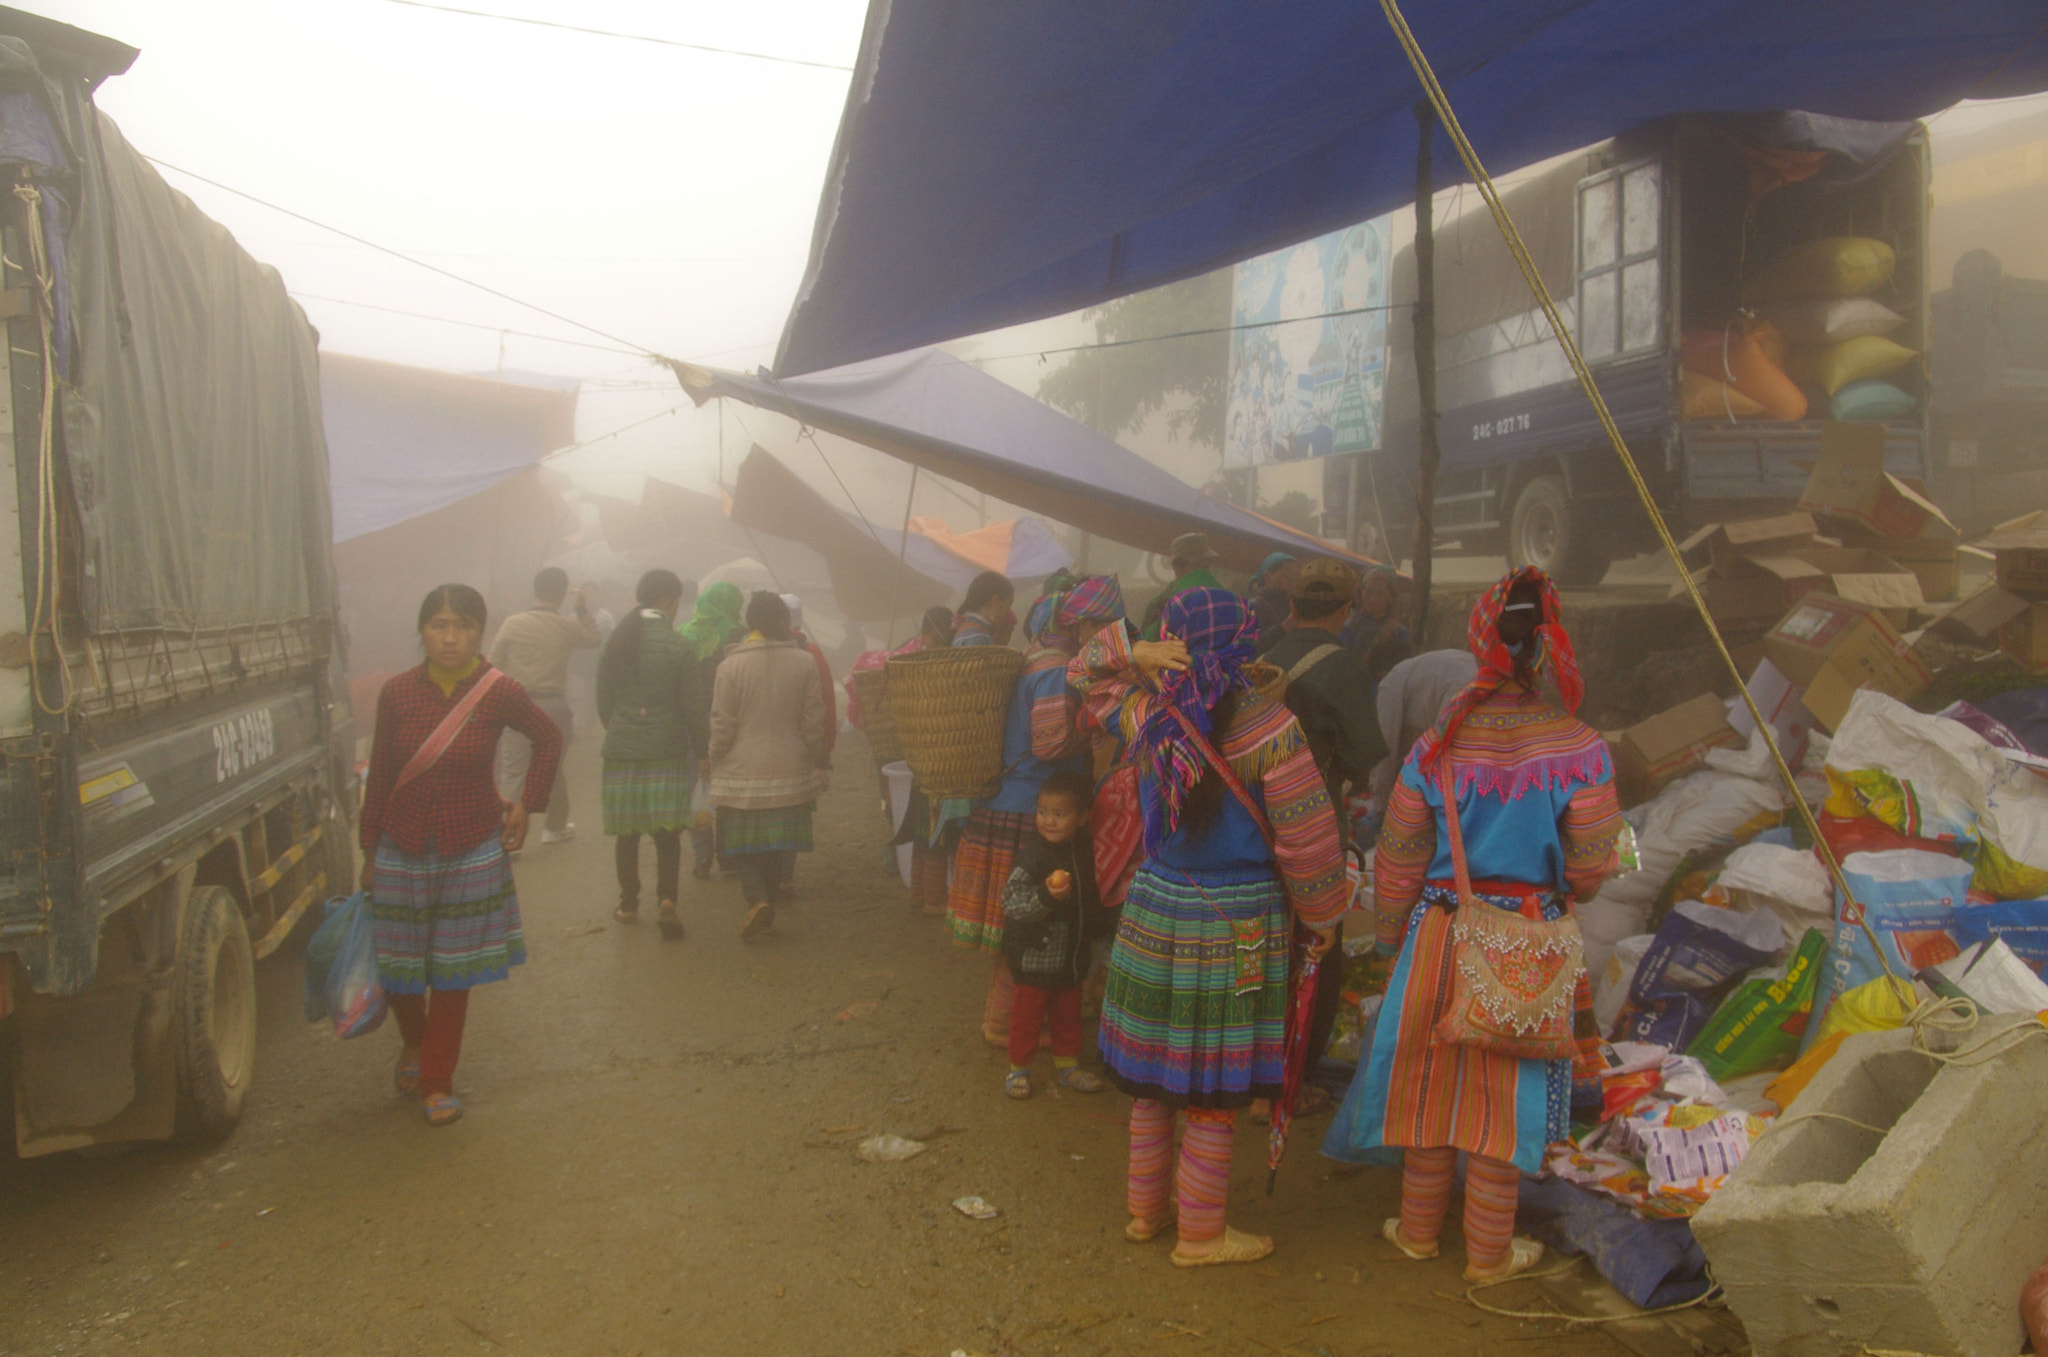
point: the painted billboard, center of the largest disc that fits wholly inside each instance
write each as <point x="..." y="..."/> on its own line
<point x="1304" y="380"/>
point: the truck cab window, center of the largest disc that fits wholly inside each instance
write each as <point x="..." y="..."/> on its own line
<point x="1620" y="283"/>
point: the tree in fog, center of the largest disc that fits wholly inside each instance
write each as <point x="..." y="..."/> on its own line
<point x="1115" y="390"/>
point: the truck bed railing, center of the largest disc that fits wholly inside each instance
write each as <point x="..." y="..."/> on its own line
<point x="125" y="675"/>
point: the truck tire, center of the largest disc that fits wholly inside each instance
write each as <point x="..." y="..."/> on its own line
<point x="213" y="1015"/>
<point x="1543" y="531"/>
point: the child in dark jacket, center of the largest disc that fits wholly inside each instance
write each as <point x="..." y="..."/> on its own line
<point x="1051" y="913"/>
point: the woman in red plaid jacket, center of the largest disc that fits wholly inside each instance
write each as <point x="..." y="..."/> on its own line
<point x="435" y="837"/>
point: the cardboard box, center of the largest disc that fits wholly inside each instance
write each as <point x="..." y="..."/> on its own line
<point x="1758" y="589"/>
<point x="1831" y="647"/>
<point x="2019" y="552"/>
<point x="1935" y="561"/>
<point x="1980" y="616"/>
<point x="2024" y="637"/>
<point x="1669" y="744"/>
<point x="1777" y="697"/>
<point x="1849" y="481"/>
<point x="1718" y="543"/>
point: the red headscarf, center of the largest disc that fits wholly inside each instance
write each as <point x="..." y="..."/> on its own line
<point x="1497" y="665"/>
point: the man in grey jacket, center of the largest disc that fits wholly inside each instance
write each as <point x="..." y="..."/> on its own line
<point x="534" y="647"/>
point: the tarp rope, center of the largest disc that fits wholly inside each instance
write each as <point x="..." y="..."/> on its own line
<point x="1533" y="276"/>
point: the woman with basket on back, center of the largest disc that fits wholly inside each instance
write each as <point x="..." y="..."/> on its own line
<point x="1040" y="737"/>
<point x="1501" y="816"/>
<point x="1240" y="844"/>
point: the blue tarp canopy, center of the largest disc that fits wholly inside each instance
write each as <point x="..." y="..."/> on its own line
<point x="1001" y="162"/>
<point x="934" y="411"/>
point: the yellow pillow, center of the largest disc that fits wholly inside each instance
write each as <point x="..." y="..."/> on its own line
<point x="1833" y="366"/>
<point x="1704" y="398"/>
<point x="1838" y="266"/>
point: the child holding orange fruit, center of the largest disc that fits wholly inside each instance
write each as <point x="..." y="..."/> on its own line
<point x="1051" y="913"/>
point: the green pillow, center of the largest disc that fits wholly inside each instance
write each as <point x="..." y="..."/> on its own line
<point x="1872" y="400"/>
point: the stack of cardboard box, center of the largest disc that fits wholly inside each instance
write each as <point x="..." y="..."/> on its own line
<point x="2013" y="609"/>
<point x="1831" y="585"/>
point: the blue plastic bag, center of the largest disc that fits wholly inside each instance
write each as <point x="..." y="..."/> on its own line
<point x="355" y="999"/>
<point x="1912" y="899"/>
<point x="2022" y="923"/>
<point x="320" y="950"/>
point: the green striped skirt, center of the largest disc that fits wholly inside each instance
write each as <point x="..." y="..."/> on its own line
<point x="785" y="829"/>
<point x="646" y="798"/>
<point x="1181" y="1022"/>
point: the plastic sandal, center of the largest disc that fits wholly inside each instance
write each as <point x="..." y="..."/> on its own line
<point x="1523" y="1254"/>
<point x="1237" y="1247"/>
<point x="760" y="919"/>
<point x="1392" y="1232"/>
<point x="627" y="916"/>
<point x="1145" y="1231"/>
<point x="406" y="1077"/>
<point x="671" y="926"/>
<point x="1017" y="1084"/>
<point x="1082" y="1081"/>
<point x="442" y="1109"/>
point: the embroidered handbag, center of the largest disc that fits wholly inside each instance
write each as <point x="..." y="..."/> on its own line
<point x="1514" y="980"/>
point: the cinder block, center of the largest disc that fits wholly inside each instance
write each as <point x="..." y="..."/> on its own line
<point x="1916" y="1235"/>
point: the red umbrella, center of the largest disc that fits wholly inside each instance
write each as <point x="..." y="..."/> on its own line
<point x="1301" y="1016"/>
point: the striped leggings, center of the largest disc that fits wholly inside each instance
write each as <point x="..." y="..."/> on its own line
<point x="1202" y="1179"/>
<point x="1491" y="1191"/>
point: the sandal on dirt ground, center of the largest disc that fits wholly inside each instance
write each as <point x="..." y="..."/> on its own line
<point x="627" y="916"/>
<point x="1236" y="1247"/>
<point x="1392" y="1232"/>
<point x="760" y="919"/>
<point x="671" y="926"/>
<point x="1523" y="1254"/>
<point x="442" y="1108"/>
<point x="1141" y="1231"/>
<point x="1017" y="1084"/>
<point x="406" y="1077"/>
<point x="1313" y="1098"/>
<point x="1081" y="1081"/>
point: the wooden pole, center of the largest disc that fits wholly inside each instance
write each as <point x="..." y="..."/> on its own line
<point x="1428" y="453"/>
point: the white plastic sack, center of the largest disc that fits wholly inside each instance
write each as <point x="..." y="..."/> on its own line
<point x="1790" y="883"/>
<point x="1611" y="981"/>
<point x="1922" y="775"/>
<point x="1694" y="812"/>
<point x="1994" y="976"/>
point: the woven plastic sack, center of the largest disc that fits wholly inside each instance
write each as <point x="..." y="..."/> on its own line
<point x="1834" y="366"/>
<point x="1871" y="399"/>
<point x="355" y="998"/>
<point x="1910" y="900"/>
<point x="1760" y="1025"/>
<point x="1835" y="266"/>
<point x="1832" y="320"/>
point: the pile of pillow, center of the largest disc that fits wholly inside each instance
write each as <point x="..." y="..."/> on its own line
<point x="1817" y="328"/>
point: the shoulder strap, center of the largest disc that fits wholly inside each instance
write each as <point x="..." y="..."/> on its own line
<point x="1459" y="872"/>
<point x="430" y="751"/>
<point x="1227" y="773"/>
<point x="1311" y="660"/>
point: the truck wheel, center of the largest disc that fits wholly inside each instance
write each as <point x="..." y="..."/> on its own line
<point x="1544" y="532"/>
<point x="213" y="1015"/>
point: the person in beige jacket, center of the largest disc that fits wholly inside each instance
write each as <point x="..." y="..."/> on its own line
<point x="769" y="756"/>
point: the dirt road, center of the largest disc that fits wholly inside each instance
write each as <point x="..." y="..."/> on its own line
<point x="658" y="1158"/>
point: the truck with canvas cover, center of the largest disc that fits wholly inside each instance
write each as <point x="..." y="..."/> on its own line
<point x="175" y="771"/>
<point x="1733" y="281"/>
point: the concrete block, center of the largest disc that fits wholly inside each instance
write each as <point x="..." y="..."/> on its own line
<point x="1915" y="1235"/>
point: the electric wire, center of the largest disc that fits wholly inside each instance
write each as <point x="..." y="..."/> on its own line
<point x="1191" y="334"/>
<point x="470" y="324"/>
<point x="630" y="37"/>
<point x="399" y="254"/>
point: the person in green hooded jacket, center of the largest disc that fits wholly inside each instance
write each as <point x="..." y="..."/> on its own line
<point x="714" y="625"/>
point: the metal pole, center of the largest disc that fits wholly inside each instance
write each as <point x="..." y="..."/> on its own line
<point x="1428" y="454"/>
<point x="902" y="546"/>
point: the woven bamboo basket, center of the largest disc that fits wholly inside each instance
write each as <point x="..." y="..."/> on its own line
<point x="950" y="706"/>
<point x="880" y="718"/>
